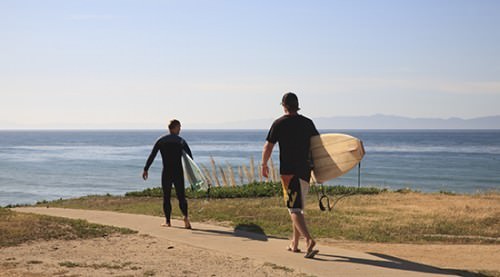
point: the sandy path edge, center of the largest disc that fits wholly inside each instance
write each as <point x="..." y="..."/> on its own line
<point x="332" y="261"/>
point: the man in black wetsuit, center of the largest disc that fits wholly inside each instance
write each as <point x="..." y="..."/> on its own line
<point x="171" y="147"/>
<point x="293" y="132"/>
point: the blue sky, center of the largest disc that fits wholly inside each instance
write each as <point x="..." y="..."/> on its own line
<point x="119" y="63"/>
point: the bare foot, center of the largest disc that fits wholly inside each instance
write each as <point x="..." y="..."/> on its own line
<point x="187" y="225"/>
<point x="165" y="224"/>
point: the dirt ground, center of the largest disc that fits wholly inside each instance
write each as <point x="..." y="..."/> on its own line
<point x="472" y="257"/>
<point x="127" y="255"/>
<point x="143" y="255"/>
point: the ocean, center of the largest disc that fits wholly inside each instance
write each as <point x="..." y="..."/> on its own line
<point x="47" y="165"/>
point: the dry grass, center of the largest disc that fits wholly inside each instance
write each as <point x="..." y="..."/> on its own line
<point x="252" y="171"/>
<point x="17" y="228"/>
<point x="230" y="171"/>
<point x="427" y="217"/>
<point x="214" y="172"/>
<point x="246" y="174"/>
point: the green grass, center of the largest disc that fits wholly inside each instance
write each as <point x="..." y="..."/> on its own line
<point x="406" y="217"/>
<point x="17" y="228"/>
<point x="266" y="189"/>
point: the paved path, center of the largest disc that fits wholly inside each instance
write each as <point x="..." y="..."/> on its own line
<point x="331" y="261"/>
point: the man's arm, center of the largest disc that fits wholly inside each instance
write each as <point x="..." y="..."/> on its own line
<point x="186" y="148"/>
<point x="314" y="131"/>
<point x="266" y="154"/>
<point x="150" y="160"/>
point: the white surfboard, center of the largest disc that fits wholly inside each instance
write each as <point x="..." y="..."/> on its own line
<point x="193" y="174"/>
<point x="334" y="155"/>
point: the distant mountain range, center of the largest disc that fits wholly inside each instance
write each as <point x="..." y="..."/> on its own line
<point x="378" y="121"/>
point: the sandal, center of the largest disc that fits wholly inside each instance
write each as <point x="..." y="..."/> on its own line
<point x="310" y="251"/>
<point x="311" y="254"/>
<point x="291" y="249"/>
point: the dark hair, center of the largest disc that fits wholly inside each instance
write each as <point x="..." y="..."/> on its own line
<point x="290" y="101"/>
<point x="173" y="124"/>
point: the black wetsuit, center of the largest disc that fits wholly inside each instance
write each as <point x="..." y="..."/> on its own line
<point x="171" y="147"/>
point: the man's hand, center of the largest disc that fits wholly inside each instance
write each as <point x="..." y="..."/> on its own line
<point x="145" y="175"/>
<point x="266" y="154"/>
<point x="265" y="170"/>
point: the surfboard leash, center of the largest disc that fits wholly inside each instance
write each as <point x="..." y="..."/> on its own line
<point x="325" y="197"/>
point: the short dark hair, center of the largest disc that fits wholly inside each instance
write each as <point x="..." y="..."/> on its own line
<point x="173" y="124"/>
<point x="290" y="101"/>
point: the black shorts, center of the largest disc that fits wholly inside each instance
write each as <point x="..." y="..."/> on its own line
<point x="294" y="192"/>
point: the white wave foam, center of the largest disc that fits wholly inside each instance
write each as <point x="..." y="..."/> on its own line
<point x="75" y="153"/>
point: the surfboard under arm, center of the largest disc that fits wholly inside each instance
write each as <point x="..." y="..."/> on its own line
<point x="334" y="155"/>
<point x="193" y="174"/>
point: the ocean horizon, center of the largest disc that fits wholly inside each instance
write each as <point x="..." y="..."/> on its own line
<point x="38" y="165"/>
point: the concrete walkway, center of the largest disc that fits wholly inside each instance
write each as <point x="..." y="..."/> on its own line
<point x="331" y="261"/>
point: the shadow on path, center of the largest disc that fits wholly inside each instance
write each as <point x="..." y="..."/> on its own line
<point x="395" y="263"/>
<point x="249" y="231"/>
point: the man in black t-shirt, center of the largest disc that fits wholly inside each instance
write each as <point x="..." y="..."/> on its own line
<point x="171" y="147"/>
<point x="293" y="132"/>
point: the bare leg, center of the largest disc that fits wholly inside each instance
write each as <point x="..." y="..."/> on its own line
<point x="187" y="224"/>
<point x="300" y="223"/>
<point x="296" y="237"/>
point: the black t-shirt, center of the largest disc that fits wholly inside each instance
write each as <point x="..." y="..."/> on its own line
<point x="293" y="133"/>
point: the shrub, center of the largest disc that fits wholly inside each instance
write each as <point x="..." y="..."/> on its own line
<point x="253" y="190"/>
